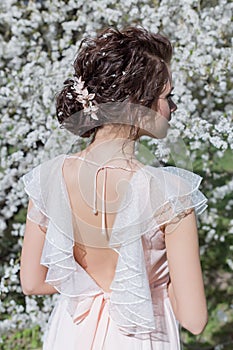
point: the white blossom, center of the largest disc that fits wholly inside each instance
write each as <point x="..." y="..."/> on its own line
<point x="36" y="55"/>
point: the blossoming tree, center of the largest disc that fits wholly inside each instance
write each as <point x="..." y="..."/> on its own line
<point x="39" y="40"/>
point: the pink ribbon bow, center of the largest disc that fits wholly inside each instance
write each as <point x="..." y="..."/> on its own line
<point x="94" y="312"/>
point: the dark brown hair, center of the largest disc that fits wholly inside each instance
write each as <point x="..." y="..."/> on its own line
<point x="118" y="65"/>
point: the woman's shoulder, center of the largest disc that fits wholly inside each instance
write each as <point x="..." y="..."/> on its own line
<point x="45" y="170"/>
<point x="171" y="177"/>
<point x="54" y="161"/>
<point x="176" y="188"/>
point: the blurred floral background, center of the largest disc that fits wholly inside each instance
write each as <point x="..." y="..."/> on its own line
<point x="39" y="40"/>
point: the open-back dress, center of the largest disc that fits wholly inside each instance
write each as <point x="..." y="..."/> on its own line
<point x="136" y="313"/>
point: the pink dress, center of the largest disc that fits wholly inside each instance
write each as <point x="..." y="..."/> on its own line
<point x="137" y="313"/>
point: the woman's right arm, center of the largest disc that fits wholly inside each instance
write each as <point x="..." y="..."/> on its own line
<point x="32" y="273"/>
<point x="186" y="289"/>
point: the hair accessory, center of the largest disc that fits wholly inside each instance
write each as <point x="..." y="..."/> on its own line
<point x="84" y="97"/>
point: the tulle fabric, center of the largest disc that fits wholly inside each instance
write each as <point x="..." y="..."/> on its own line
<point x="130" y="311"/>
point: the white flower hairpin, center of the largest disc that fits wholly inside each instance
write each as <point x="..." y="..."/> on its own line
<point x="84" y="97"/>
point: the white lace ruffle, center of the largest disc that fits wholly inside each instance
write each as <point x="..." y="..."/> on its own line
<point x="167" y="192"/>
<point x="156" y="196"/>
<point x="131" y="304"/>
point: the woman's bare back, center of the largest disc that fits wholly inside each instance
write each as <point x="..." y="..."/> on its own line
<point x="91" y="245"/>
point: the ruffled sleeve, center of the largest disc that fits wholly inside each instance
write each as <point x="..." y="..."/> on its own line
<point x="178" y="191"/>
<point x="155" y="196"/>
<point x="37" y="213"/>
<point x="51" y="208"/>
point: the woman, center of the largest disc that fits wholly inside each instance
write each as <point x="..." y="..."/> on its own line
<point x="117" y="239"/>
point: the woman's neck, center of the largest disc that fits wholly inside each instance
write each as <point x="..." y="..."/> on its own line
<point x="112" y="149"/>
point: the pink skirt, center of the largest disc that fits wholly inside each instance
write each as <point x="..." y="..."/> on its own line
<point x="95" y="330"/>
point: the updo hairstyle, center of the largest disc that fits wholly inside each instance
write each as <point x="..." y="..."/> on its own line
<point x="116" y="66"/>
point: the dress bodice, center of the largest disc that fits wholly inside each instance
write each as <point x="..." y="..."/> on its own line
<point x="155" y="196"/>
<point x="155" y="258"/>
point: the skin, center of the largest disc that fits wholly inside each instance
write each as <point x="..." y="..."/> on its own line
<point x="166" y="106"/>
<point x="157" y="124"/>
<point x="185" y="289"/>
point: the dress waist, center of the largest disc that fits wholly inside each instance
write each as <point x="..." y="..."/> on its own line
<point x="158" y="290"/>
